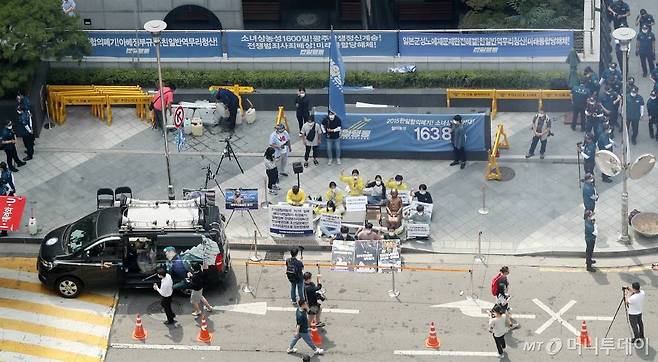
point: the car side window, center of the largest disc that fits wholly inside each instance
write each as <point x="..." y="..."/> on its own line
<point x="110" y="248"/>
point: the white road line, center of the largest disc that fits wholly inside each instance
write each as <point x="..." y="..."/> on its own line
<point x="446" y="353"/>
<point x="11" y="356"/>
<point x="20" y="295"/>
<point x="50" y="342"/>
<point x="593" y="318"/>
<point x="324" y="310"/>
<point x="54" y="322"/>
<point x="555" y="317"/>
<point x="164" y="347"/>
<point x="523" y="316"/>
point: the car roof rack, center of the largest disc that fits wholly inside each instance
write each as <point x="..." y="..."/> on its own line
<point x="162" y="215"/>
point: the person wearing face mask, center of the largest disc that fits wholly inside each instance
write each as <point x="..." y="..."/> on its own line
<point x="541" y="130"/>
<point x="8" y="139"/>
<point x="22" y="102"/>
<point x="280" y="141"/>
<point x="376" y="191"/>
<point x="344" y="234"/>
<point x="354" y="183"/>
<point x="588" y="152"/>
<point x="422" y="195"/>
<point x="634" y="111"/>
<point x="590" y="196"/>
<point x="652" y="110"/>
<point x="337" y="196"/>
<point x="592" y="81"/>
<point x="645" y="19"/>
<point x="295" y="196"/>
<point x="620" y="12"/>
<point x="591" y="231"/>
<point x="310" y="135"/>
<point x="25" y="131"/>
<point x="331" y="126"/>
<point x="458" y="140"/>
<point x="609" y="73"/>
<point x="328" y="209"/>
<point x="646" y="49"/>
<point x="418" y="216"/>
<point x="579" y="96"/>
<point x="610" y="102"/>
<point x="302" y="106"/>
<point x="397" y="183"/>
<point x="593" y="114"/>
<point x="605" y="143"/>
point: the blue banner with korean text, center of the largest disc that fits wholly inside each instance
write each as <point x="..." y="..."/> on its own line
<point x="174" y="44"/>
<point x="418" y="133"/>
<point x="254" y="44"/>
<point x="524" y="44"/>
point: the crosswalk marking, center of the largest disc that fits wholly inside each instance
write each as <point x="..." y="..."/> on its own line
<point x="37" y="325"/>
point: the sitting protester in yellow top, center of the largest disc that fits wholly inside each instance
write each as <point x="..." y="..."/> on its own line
<point x="354" y="182"/>
<point x="397" y="184"/>
<point x="295" y="196"/>
<point x="337" y="196"/>
<point x="330" y="209"/>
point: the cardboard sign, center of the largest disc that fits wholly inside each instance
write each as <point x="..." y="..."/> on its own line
<point x="389" y="255"/>
<point x="330" y="221"/>
<point x="12" y="212"/>
<point x="417" y="230"/>
<point x="356" y="203"/>
<point x="291" y="220"/>
<point x="237" y="199"/>
<point x="342" y="255"/>
<point x="365" y="254"/>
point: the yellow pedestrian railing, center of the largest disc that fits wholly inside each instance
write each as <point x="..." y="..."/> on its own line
<point x="281" y="118"/>
<point x="492" y="171"/>
<point x="236" y="89"/>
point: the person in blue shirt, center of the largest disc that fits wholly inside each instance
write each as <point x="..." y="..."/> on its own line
<point x="605" y="143"/>
<point x="646" y="49"/>
<point x="7" y="180"/>
<point x="634" y="111"/>
<point x="645" y="18"/>
<point x="22" y="101"/>
<point x="589" y="192"/>
<point x="579" y="96"/>
<point x="652" y="110"/>
<point x="25" y="131"/>
<point x="620" y="12"/>
<point x="593" y="114"/>
<point x="591" y="231"/>
<point x="588" y="152"/>
<point x="8" y="141"/>
<point x="68" y="7"/>
<point x="232" y="103"/>
<point x="610" y="101"/>
<point x="608" y="73"/>
<point x="592" y="81"/>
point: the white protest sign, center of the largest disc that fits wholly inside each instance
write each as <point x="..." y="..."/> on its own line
<point x="291" y="220"/>
<point x="330" y="221"/>
<point x="426" y="207"/>
<point x="417" y="230"/>
<point x="356" y="203"/>
<point x="404" y="195"/>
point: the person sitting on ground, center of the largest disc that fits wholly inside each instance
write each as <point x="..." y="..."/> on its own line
<point x="394" y="210"/>
<point x="337" y="196"/>
<point x="367" y="233"/>
<point x="329" y="209"/>
<point x="422" y="195"/>
<point x="376" y="191"/>
<point x="354" y="182"/>
<point x="295" y="196"/>
<point x="344" y="234"/>
<point x="397" y="183"/>
<point x="418" y="216"/>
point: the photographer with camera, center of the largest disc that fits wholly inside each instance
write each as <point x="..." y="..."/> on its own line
<point x="314" y="297"/>
<point x="634" y="299"/>
<point x="541" y="130"/>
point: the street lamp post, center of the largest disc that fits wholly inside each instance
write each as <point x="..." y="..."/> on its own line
<point x="625" y="36"/>
<point x="155" y="27"/>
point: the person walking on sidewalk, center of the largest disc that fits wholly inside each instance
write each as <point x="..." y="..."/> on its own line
<point x="8" y="139"/>
<point x="590" y="196"/>
<point x="646" y="50"/>
<point x="498" y="328"/>
<point x="579" y="96"/>
<point x="458" y="140"/>
<point x="301" y="330"/>
<point x="591" y="231"/>
<point x="634" y="111"/>
<point x="332" y="127"/>
<point x="311" y="135"/>
<point x="271" y="171"/>
<point x="295" y="273"/>
<point x="652" y="110"/>
<point x="605" y="143"/>
<point x="280" y="141"/>
<point x="302" y="106"/>
<point x="643" y="19"/>
<point x="620" y="12"/>
<point x="166" y="289"/>
<point x="634" y="299"/>
<point x="541" y="129"/>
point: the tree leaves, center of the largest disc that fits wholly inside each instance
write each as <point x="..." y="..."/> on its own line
<point x="551" y="14"/>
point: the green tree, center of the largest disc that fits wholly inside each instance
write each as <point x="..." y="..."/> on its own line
<point x="523" y="14"/>
<point x="32" y="30"/>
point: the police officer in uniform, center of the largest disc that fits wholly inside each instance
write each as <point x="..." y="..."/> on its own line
<point x="609" y="73"/>
<point x="458" y="140"/>
<point x="646" y="49"/>
<point x="579" y="96"/>
<point x="593" y="114"/>
<point x="591" y="231"/>
<point x="588" y="152"/>
<point x="8" y="140"/>
<point x="541" y="130"/>
<point x="25" y="131"/>
<point x="605" y="143"/>
<point x="590" y="196"/>
<point x="652" y="110"/>
<point x="610" y="101"/>
<point x="634" y="111"/>
<point x="645" y="19"/>
<point x="620" y="12"/>
<point x="592" y="81"/>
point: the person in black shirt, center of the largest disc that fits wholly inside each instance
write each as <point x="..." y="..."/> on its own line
<point x="314" y="308"/>
<point x="331" y="127"/>
<point x="232" y="103"/>
<point x="301" y="330"/>
<point x="344" y="234"/>
<point x="196" y="283"/>
<point x="645" y="19"/>
<point x="294" y="272"/>
<point x="302" y="105"/>
<point x="8" y="139"/>
<point x="652" y="109"/>
<point x="422" y="195"/>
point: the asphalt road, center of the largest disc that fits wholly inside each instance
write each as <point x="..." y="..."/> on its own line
<point x="386" y="326"/>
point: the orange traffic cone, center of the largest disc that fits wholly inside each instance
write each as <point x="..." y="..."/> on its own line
<point x="584" y="338"/>
<point x="204" y="335"/>
<point x="315" y="336"/>
<point x="139" y="334"/>
<point x="432" y="341"/>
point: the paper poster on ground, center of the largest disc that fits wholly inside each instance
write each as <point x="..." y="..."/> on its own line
<point x="342" y="255"/>
<point x="389" y="255"/>
<point x="365" y="254"/>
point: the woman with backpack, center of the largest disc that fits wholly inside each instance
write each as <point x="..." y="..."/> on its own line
<point x="310" y="134"/>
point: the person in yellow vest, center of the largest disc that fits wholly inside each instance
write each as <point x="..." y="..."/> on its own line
<point x="354" y="182"/>
<point x="397" y="184"/>
<point x="329" y="209"/>
<point x="337" y="196"/>
<point x="295" y="196"/>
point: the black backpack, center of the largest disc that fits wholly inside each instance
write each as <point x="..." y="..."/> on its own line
<point x="310" y="136"/>
<point x="291" y="271"/>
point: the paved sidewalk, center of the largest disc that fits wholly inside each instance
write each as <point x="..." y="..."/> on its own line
<point x="538" y="211"/>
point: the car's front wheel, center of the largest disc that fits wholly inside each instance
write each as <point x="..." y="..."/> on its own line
<point x="69" y="287"/>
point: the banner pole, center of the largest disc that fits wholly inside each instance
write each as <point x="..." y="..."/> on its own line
<point x="484" y="210"/>
<point x="255" y="257"/>
<point x="393" y="293"/>
<point x="246" y="288"/>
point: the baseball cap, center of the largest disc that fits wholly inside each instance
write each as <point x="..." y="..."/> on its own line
<point x="169" y="248"/>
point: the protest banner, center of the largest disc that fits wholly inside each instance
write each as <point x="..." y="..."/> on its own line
<point x="389" y="255"/>
<point x="291" y="220"/>
<point x="365" y="254"/>
<point x="418" y="230"/>
<point x="342" y="255"/>
<point x="241" y="199"/>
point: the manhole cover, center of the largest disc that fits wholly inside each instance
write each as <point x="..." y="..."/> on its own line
<point x="506" y="173"/>
<point x="155" y="311"/>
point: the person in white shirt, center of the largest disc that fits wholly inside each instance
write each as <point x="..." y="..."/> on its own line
<point x="498" y="327"/>
<point x="68" y="7"/>
<point x="166" y="289"/>
<point x="634" y="298"/>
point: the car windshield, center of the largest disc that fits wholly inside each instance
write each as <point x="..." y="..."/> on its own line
<point x="81" y="233"/>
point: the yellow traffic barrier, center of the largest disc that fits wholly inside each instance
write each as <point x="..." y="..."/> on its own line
<point x="236" y="89"/>
<point x="453" y="93"/>
<point x="492" y="171"/>
<point x="281" y="118"/>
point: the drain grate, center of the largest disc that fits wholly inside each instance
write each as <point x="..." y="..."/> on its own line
<point x="506" y="173"/>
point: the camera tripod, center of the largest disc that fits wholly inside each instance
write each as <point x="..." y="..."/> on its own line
<point x="227" y="153"/>
<point x="623" y="298"/>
